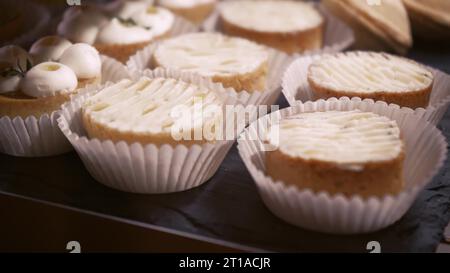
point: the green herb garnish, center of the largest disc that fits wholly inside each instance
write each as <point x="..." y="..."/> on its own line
<point x="16" y="71"/>
<point x="130" y="23"/>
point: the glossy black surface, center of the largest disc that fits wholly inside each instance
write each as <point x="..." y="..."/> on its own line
<point x="228" y="207"/>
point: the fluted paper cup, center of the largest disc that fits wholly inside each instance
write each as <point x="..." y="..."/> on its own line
<point x="426" y="150"/>
<point x="278" y="62"/>
<point x="296" y="88"/>
<point x="338" y="36"/>
<point x="141" y="168"/>
<point x="34" y="137"/>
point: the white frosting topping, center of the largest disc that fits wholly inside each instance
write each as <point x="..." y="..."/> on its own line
<point x="184" y="3"/>
<point x="116" y="32"/>
<point x="211" y="54"/>
<point x="147" y="105"/>
<point x="82" y="26"/>
<point x="83" y="59"/>
<point x="128" y="8"/>
<point x="369" y="72"/>
<point x="348" y="138"/>
<point x="158" y="20"/>
<point x="14" y="55"/>
<point x="49" y="48"/>
<point x="47" y="79"/>
<point x="271" y="16"/>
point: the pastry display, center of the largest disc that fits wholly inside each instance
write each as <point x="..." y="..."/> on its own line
<point x="290" y="26"/>
<point x="380" y="26"/>
<point x="29" y="87"/>
<point x="120" y="34"/>
<point x="348" y="152"/>
<point x="150" y="105"/>
<point x="195" y="11"/>
<point x="430" y="19"/>
<point x="378" y="76"/>
<point x="234" y="62"/>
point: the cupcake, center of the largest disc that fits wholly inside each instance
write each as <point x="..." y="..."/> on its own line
<point x="430" y="19"/>
<point x="289" y="26"/>
<point x="234" y="62"/>
<point x="378" y="76"/>
<point x="118" y="37"/>
<point x="381" y="27"/>
<point x="28" y="90"/>
<point x="195" y="11"/>
<point x="348" y="152"/>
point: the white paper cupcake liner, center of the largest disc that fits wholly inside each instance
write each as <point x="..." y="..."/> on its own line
<point x="296" y="88"/>
<point x="36" y="23"/>
<point x="144" y="169"/>
<point x="338" y="36"/>
<point x="34" y="137"/>
<point x="426" y="150"/>
<point x="278" y="62"/>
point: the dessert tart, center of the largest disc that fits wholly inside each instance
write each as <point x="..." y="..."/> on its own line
<point x="289" y="26"/>
<point x="430" y="19"/>
<point x="195" y="11"/>
<point x="234" y="62"/>
<point x="116" y="36"/>
<point x="330" y="136"/>
<point x="338" y="152"/>
<point x="378" y="76"/>
<point x="378" y="26"/>
<point x="151" y="106"/>
<point x="27" y="90"/>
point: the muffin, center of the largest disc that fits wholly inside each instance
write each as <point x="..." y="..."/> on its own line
<point x="348" y="152"/>
<point x="195" y="11"/>
<point x="115" y="36"/>
<point x="27" y="90"/>
<point x="430" y="19"/>
<point x="234" y="62"/>
<point x="288" y="26"/>
<point x="158" y="111"/>
<point x="381" y="27"/>
<point x="378" y="76"/>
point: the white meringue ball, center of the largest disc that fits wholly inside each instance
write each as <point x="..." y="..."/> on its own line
<point x="158" y="20"/>
<point x="10" y="83"/>
<point x="47" y="79"/>
<point x="82" y="25"/>
<point x="118" y="33"/>
<point x="11" y="54"/>
<point x="49" y="48"/>
<point x="83" y="59"/>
